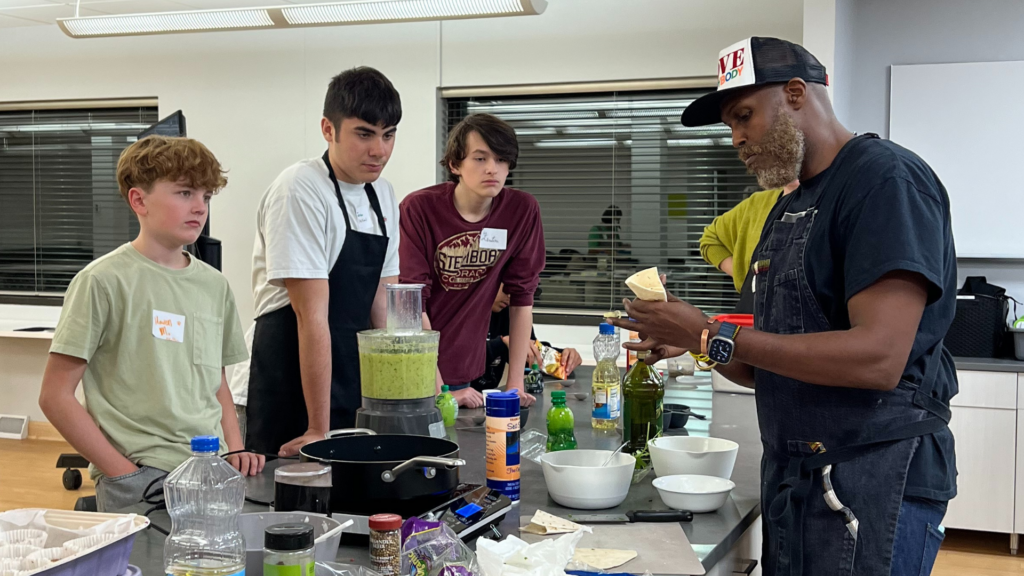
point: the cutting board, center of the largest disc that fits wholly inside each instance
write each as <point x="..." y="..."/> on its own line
<point x="662" y="547"/>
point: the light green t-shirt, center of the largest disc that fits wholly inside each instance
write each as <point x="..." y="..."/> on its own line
<point x="155" y="340"/>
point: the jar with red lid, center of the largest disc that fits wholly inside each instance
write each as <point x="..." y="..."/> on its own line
<point x="386" y="544"/>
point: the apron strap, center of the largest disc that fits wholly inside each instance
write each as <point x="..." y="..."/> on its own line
<point x="370" y="193"/>
<point x="787" y="507"/>
<point x="375" y="204"/>
<point x="337" y="189"/>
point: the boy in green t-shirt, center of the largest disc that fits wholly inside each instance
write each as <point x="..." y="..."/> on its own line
<point x="148" y="331"/>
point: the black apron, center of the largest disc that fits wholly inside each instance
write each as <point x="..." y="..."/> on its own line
<point x="276" y="412"/>
<point x="835" y="459"/>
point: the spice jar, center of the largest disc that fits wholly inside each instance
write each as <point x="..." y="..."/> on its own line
<point x="386" y="544"/>
<point x="288" y="550"/>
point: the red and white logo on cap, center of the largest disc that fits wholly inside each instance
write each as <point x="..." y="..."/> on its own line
<point x="736" y="66"/>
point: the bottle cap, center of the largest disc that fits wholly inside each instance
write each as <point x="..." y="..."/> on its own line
<point x="444" y="388"/>
<point x="606" y="329"/>
<point x="558" y="395"/>
<point x="205" y="444"/>
<point x="287" y="537"/>
<point x="535" y="367"/>
<point x="502" y="404"/>
<point x="385" y="522"/>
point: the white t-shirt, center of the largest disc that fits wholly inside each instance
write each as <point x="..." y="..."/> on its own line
<point x="239" y="382"/>
<point x="300" y="229"/>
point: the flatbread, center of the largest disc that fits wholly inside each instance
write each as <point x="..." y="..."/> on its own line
<point x="646" y="284"/>
<point x="604" y="558"/>
<point x="544" y="523"/>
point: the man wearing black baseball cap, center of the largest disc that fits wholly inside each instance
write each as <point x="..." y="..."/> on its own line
<point x="854" y="287"/>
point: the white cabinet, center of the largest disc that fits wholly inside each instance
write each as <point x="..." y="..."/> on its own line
<point x="1019" y="502"/>
<point x="986" y="458"/>
<point x="986" y="390"/>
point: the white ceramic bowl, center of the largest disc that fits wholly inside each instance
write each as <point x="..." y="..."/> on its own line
<point x="575" y="478"/>
<point x="720" y="383"/>
<point x="693" y="492"/>
<point x="673" y="455"/>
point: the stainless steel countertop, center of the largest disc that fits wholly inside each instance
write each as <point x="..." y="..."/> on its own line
<point x="731" y="416"/>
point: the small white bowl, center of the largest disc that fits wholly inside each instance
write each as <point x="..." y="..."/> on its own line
<point x="575" y="478"/>
<point x="693" y="492"/>
<point x="672" y="455"/>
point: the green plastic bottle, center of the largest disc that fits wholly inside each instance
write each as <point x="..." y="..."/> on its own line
<point x="448" y="406"/>
<point x="560" y="424"/>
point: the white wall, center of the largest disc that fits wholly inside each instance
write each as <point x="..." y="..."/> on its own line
<point x="255" y="98"/>
<point x="873" y="35"/>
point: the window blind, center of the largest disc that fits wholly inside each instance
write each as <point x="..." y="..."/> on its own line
<point x="622" y="186"/>
<point x="59" y="203"/>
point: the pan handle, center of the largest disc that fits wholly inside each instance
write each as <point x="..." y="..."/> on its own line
<point x="430" y="462"/>
<point x="349" y="432"/>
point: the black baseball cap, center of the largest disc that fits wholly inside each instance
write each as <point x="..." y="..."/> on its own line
<point x="753" y="62"/>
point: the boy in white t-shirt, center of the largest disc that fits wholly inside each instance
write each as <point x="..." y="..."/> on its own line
<point x="326" y="244"/>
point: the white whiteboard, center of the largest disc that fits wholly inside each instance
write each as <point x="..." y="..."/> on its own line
<point x="967" y="122"/>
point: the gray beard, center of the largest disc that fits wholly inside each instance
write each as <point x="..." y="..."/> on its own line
<point x="778" y="176"/>
<point x="786" y="146"/>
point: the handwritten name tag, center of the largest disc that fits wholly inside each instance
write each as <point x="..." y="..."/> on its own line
<point x="167" y="326"/>
<point x="493" y="238"/>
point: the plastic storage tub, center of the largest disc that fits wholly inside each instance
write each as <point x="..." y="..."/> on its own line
<point x="110" y="559"/>
<point x="253" y="526"/>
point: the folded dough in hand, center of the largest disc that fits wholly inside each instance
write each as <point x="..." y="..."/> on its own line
<point x="646" y="284"/>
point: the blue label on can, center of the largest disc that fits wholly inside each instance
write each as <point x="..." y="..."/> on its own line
<point x="509" y="488"/>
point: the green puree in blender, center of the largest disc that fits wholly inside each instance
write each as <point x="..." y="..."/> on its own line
<point x="397" y="376"/>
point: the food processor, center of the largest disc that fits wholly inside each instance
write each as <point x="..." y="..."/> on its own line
<point x="398" y="367"/>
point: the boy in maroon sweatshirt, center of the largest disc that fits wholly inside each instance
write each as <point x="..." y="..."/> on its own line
<point x="465" y="238"/>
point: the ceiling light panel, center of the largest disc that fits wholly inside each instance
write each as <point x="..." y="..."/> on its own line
<point x="397" y="10"/>
<point x="294" y="16"/>
<point x="166" y="22"/>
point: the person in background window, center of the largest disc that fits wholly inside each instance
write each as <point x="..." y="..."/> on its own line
<point x="497" y="347"/>
<point x="730" y="239"/>
<point x="604" y="237"/>
<point x="463" y="239"/>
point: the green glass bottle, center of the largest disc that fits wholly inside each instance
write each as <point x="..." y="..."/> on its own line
<point x="448" y="406"/>
<point x="560" y="424"/>
<point x="643" y="393"/>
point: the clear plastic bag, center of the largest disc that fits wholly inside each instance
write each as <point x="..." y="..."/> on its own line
<point x="433" y="549"/>
<point x="514" y="557"/>
<point x="533" y="445"/>
<point x="335" y="569"/>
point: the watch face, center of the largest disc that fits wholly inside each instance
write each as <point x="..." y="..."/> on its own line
<point x="720" y="350"/>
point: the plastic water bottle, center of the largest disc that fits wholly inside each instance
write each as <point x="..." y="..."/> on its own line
<point x="606" y="387"/>
<point x="204" y="497"/>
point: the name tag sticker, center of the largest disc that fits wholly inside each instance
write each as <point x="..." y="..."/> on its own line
<point x="168" y="326"/>
<point x="361" y="217"/>
<point x="493" y="238"/>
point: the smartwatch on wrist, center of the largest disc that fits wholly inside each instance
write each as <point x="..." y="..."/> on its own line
<point x="722" y="346"/>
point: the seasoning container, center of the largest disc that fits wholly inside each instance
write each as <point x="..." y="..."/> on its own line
<point x="386" y="544"/>
<point x="288" y="550"/>
<point x="502" y="443"/>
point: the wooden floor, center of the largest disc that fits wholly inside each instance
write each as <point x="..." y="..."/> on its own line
<point x="29" y="479"/>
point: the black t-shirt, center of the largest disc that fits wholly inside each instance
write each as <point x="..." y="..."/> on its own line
<point x="499" y="326"/>
<point x="882" y="209"/>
